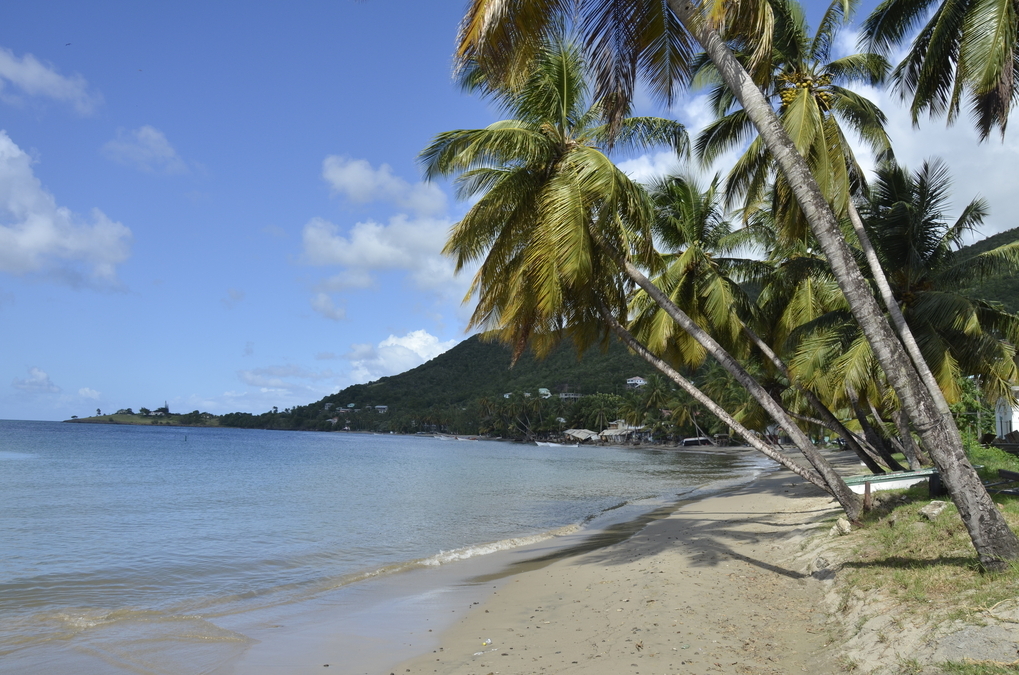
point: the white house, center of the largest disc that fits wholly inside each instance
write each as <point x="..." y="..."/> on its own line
<point x="1006" y="417"/>
<point x="635" y="381"/>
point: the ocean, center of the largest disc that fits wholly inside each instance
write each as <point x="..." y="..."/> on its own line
<point x="148" y="549"/>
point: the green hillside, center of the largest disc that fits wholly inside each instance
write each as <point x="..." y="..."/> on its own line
<point x="448" y="391"/>
<point x="1003" y="289"/>
<point x="475" y="369"/>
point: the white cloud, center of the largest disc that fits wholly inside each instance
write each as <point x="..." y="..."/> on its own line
<point x="646" y="168"/>
<point x="146" y="149"/>
<point x="37" y="382"/>
<point x="37" y="235"/>
<point x="323" y="304"/>
<point x="85" y="392"/>
<point x="395" y="355"/>
<point x="414" y="245"/>
<point x="31" y="78"/>
<point x="359" y="182"/>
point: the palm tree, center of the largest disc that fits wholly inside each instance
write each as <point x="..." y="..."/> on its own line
<point x="559" y="224"/>
<point x="959" y="335"/>
<point x="654" y="39"/>
<point x="964" y="51"/>
<point x="695" y="271"/>
<point x="810" y="91"/>
<point x="542" y="177"/>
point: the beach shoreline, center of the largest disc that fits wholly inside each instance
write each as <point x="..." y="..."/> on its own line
<point x="719" y="585"/>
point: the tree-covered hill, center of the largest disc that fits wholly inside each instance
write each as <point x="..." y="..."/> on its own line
<point x="476" y="368"/>
<point x="1004" y="288"/>
<point x="449" y="392"/>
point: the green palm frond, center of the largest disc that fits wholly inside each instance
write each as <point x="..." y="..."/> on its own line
<point x="837" y="14"/>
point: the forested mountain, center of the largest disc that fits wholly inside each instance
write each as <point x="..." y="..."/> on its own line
<point x="450" y="392"/>
<point x="476" y="368"/>
<point x="1002" y="288"/>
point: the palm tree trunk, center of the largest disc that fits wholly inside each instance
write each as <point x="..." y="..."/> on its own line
<point x="895" y="312"/>
<point x="866" y="447"/>
<point x="873" y="437"/>
<point x="846" y="497"/>
<point x="913" y="454"/>
<point x="828" y="419"/>
<point x="718" y="411"/>
<point x="994" y="542"/>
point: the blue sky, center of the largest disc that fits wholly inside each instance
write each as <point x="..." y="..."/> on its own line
<point x="218" y="205"/>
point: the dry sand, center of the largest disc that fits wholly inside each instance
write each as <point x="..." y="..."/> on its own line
<point x="717" y="586"/>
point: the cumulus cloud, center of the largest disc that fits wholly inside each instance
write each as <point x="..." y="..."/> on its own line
<point x="394" y="355"/>
<point x="145" y="149"/>
<point x="86" y="392"/>
<point x="37" y="382"/>
<point x="36" y="235"/>
<point x="414" y="245"/>
<point x="646" y="168"/>
<point x="360" y="183"/>
<point x="27" y="76"/>
<point x="323" y="304"/>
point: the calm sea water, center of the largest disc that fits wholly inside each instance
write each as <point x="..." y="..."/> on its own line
<point x="115" y="535"/>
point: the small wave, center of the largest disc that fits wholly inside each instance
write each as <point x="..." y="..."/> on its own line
<point x="467" y="552"/>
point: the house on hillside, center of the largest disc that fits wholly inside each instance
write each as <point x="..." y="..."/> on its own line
<point x="635" y="382"/>
<point x="381" y="408"/>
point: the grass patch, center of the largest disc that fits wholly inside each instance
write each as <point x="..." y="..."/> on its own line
<point x="930" y="567"/>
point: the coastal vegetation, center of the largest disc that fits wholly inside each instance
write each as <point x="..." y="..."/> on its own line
<point x="563" y="238"/>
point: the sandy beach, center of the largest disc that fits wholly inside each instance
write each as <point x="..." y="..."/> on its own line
<point x="718" y="585"/>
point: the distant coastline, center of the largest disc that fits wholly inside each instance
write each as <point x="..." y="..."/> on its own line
<point x="170" y="420"/>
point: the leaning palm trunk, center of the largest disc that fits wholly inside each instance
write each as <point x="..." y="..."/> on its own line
<point x="994" y="542"/>
<point x="914" y="455"/>
<point x="875" y="439"/>
<point x="895" y="312"/>
<point x="828" y="419"/>
<point x="718" y="411"/>
<point x="846" y="498"/>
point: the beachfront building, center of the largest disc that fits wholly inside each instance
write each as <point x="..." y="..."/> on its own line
<point x="1006" y="415"/>
<point x="635" y="382"/>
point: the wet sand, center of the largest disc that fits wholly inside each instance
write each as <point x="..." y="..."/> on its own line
<point x="717" y="585"/>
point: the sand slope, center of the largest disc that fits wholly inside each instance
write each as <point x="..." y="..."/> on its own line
<point x="715" y="587"/>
